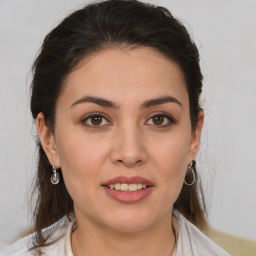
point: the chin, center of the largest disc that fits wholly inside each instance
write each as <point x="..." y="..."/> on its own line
<point x="130" y="222"/>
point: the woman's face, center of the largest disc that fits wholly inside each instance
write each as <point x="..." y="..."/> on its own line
<point x="123" y="122"/>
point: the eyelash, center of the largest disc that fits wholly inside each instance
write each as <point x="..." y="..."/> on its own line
<point x="170" y="119"/>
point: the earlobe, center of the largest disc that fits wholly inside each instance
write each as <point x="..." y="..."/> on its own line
<point x="195" y="139"/>
<point x="47" y="140"/>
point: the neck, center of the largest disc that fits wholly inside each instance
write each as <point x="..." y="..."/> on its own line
<point x="92" y="239"/>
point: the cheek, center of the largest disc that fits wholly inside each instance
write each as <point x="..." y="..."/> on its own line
<point x="171" y="159"/>
<point x="76" y="147"/>
<point x="80" y="158"/>
<point x="172" y="151"/>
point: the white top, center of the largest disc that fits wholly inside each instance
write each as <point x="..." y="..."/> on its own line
<point x="190" y="242"/>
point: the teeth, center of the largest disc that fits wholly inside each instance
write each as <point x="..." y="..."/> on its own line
<point x="124" y="187"/>
<point x="127" y="187"/>
<point x="139" y="186"/>
<point x="117" y="186"/>
<point x="133" y="187"/>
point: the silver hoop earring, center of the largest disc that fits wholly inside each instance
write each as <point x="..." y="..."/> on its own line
<point x="190" y="168"/>
<point x="55" y="178"/>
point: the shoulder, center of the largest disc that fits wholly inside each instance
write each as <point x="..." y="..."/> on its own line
<point x="233" y="244"/>
<point x="20" y="247"/>
<point x="57" y="246"/>
<point x="191" y="241"/>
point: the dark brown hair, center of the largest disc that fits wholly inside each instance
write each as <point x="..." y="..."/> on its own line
<point x="112" y="23"/>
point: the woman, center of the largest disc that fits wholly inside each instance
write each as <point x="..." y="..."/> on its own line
<point x="115" y="96"/>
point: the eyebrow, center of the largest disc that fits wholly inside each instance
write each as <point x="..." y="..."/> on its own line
<point x="106" y="103"/>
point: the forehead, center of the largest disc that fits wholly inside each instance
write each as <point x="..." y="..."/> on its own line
<point x="126" y="74"/>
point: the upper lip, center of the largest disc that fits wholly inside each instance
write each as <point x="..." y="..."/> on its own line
<point x="128" y="180"/>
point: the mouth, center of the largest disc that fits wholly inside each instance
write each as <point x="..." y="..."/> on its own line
<point x="128" y="189"/>
<point x="124" y="187"/>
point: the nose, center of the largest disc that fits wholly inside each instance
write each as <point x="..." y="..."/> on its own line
<point x="128" y="147"/>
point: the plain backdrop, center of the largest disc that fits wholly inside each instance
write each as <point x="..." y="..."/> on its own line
<point x="225" y="34"/>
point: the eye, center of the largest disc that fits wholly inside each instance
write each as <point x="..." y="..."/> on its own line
<point x="95" y="121"/>
<point x="160" y="120"/>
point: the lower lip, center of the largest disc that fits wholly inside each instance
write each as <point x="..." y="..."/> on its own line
<point x="128" y="197"/>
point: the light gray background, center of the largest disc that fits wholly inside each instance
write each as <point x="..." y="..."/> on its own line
<point x="225" y="32"/>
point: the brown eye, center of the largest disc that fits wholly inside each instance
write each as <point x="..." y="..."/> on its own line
<point x="95" y="121"/>
<point x="161" y="120"/>
<point x="158" y="120"/>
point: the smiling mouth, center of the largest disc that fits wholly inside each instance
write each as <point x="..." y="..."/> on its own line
<point x="124" y="187"/>
<point x="128" y="190"/>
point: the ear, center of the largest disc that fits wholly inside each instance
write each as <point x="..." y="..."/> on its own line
<point x="195" y="139"/>
<point x="47" y="141"/>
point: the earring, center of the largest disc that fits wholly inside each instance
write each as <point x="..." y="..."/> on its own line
<point x="190" y="168"/>
<point x="55" y="178"/>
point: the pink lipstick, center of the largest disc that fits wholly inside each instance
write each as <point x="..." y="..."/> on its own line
<point x="128" y="189"/>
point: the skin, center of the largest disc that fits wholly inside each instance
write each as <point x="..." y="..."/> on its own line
<point x="129" y="142"/>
